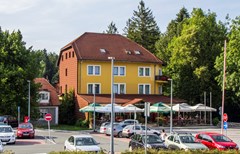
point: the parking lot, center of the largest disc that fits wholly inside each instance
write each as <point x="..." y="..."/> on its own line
<point x="40" y="144"/>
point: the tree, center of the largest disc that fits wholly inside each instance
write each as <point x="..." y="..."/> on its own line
<point x="112" y="29"/>
<point x="142" y="28"/>
<point x="67" y="108"/>
<point x="46" y="62"/>
<point x="193" y="54"/>
<point x="16" y="68"/>
<point x="174" y="29"/>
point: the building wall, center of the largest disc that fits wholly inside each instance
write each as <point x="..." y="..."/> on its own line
<point x="68" y="71"/>
<point x="131" y="78"/>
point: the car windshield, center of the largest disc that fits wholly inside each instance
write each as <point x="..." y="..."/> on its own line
<point x="25" y="126"/>
<point x="221" y="138"/>
<point x="83" y="141"/>
<point x="187" y="139"/>
<point x="5" y="129"/>
<point x="152" y="139"/>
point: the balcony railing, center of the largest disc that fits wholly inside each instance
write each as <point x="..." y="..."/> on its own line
<point x="161" y="78"/>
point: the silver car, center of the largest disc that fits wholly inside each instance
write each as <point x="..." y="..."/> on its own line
<point x="129" y="130"/>
<point x="117" y="129"/>
<point x="183" y="141"/>
<point x="103" y="127"/>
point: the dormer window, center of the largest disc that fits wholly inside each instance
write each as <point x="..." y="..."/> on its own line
<point x="137" y="52"/>
<point x="44" y="97"/>
<point x="128" y="52"/>
<point x="102" y="50"/>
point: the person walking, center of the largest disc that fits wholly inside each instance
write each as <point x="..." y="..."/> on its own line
<point x="163" y="135"/>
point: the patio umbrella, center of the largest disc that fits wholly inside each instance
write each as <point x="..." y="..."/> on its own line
<point x="160" y="108"/>
<point x="201" y="107"/>
<point x="183" y="107"/>
<point x="108" y="109"/>
<point x="132" y="108"/>
<point x="90" y="108"/>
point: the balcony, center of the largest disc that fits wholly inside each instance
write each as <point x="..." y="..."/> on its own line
<point x="161" y="78"/>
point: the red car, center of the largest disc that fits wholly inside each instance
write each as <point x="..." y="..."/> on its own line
<point x="25" y="130"/>
<point x="216" y="141"/>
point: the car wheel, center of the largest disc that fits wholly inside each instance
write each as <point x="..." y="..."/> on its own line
<point x="120" y="135"/>
<point x="64" y="148"/>
<point x="130" y="148"/>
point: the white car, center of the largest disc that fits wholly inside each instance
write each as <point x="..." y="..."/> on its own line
<point x="7" y="134"/>
<point x="129" y="130"/>
<point x="183" y="141"/>
<point x="81" y="143"/>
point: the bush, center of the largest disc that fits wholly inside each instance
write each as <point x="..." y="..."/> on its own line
<point x="215" y="121"/>
<point x="82" y="123"/>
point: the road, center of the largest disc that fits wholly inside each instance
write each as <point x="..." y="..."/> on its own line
<point x="41" y="145"/>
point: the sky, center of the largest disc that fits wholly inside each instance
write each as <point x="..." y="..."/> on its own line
<point x="51" y="24"/>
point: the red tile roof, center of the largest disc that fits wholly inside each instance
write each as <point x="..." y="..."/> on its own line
<point x="48" y="87"/>
<point x="125" y="99"/>
<point x="88" y="45"/>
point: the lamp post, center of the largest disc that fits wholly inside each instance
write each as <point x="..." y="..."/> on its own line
<point x="171" y="117"/>
<point x="28" y="100"/>
<point x="94" y="108"/>
<point x="112" y="104"/>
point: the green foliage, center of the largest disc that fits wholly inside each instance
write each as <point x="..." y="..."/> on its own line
<point x="67" y="109"/>
<point x="142" y="28"/>
<point x="16" y="68"/>
<point x="112" y="29"/>
<point x="46" y="64"/>
<point x="82" y="123"/>
<point x="191" y="46"/>
<point x="215" y="121"/>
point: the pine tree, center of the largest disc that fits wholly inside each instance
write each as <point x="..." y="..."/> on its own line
<point x="112" y="29"/>
<point x="142" y="28"/>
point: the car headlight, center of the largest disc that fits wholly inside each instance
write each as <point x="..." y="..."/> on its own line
<point x="19" y="132"/>
<point x="149" y="146"/>
<point x="13" y="136"/>
<point x="220" y="146"/>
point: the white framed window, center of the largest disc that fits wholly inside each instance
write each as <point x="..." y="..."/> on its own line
<point x="93" y="69"/>
<point x="144" y="89"/>
<point x="160" y="89"/>
<point x="119" y="70"/>
<point x="119" y="88"/>
<point x="93" y="88"/>
<point x="44" y="97"/>
<point x="144" y="71"/>
<point x="43" y="112"/>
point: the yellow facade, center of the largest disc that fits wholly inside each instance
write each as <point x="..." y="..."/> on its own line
<point x="130" y="79"/>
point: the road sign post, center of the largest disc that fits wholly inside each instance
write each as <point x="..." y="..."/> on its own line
<point x="225" y="117"/>
<point x="48" y="118"/>
<point x="225" y="126"/>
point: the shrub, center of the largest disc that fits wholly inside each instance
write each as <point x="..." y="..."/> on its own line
<point x="215" y="121"/>
<point x="82" y="123"/>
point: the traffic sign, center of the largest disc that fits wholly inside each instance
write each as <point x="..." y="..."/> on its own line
<point x="225" y="117"/>
<point x="48" y="117"/>
<point x="225" y="125"/>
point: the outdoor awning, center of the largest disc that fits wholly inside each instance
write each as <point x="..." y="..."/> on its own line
<point x="183" y="107"/>
<point x="201" y="107"/>
<point x="160" y="108"/>
<point x="90" y="107"/>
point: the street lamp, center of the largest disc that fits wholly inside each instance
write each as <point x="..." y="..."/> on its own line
<point x="94" y="108"/>
<point x="171" y="107"/>
<point x="112" y="104"/>
<point x="28" y="100"/>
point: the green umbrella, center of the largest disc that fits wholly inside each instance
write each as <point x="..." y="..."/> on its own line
<point x="160" y="108"/>
<point x="90" y="107"/>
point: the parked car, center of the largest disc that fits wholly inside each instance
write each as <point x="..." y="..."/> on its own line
<point x="81" y="143"/>
<point x="129" y="122"/>
<point x="153" y="141"/>
<point x="1" y="147"/>
<point x="117" y="129"/>
<point x="216" y="141"/>
<point x="183" y="141"/>
<point x="25" y="130"/>
<point x="129" y="130"/>
<point x="9" y="120"/>
<point x="7" y="135"/>
<point x="103" y="127"/>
